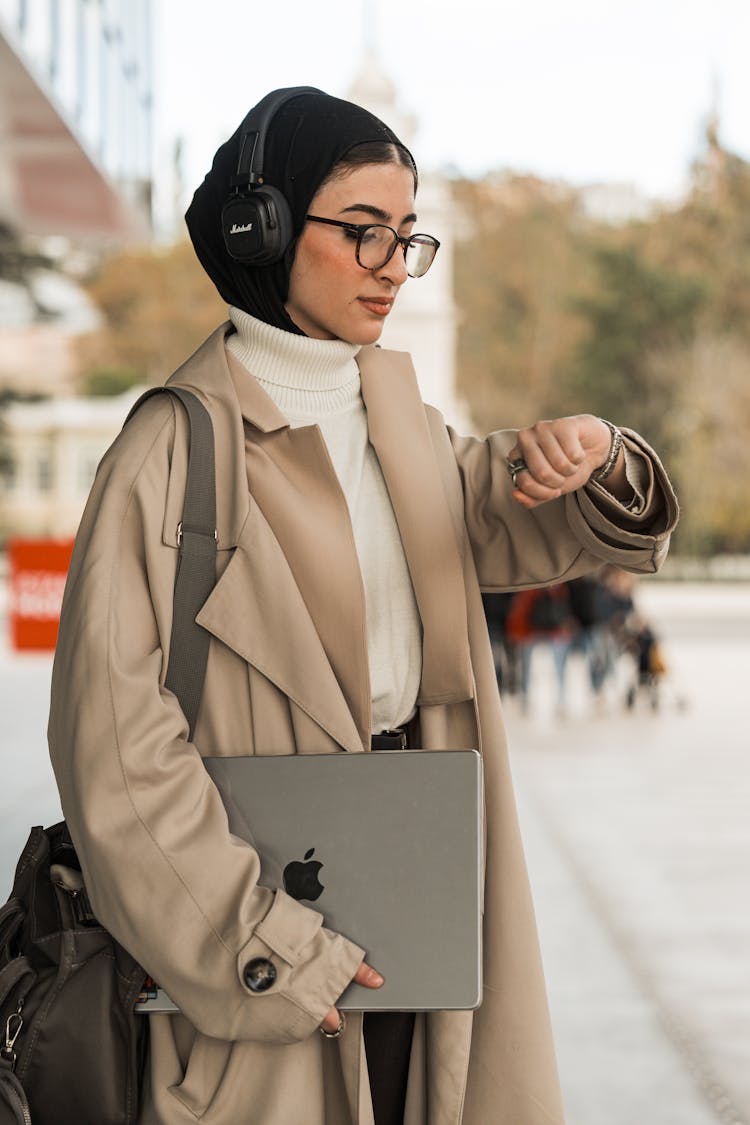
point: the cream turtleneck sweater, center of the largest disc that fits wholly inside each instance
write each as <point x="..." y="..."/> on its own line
<point x="317" y="381"/>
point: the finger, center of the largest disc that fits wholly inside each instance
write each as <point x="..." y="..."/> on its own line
<point x="562" y="448"/>
<point x="331" y="1021"/>
<point x="530" y="489"/>
<point x="570" y="442"/>
<point x="559" y="440"/>
<point x="526" y="501"/>
<point x="537" y="449"/>
<point x="368" y="976"/>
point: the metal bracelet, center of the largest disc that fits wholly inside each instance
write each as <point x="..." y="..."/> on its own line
<point x="604" y="470"/>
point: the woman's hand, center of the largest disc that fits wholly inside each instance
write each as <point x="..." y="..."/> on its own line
<point x="365" y="975"/>
<point x="559" y="456"/>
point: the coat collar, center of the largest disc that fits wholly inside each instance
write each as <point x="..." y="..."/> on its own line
<point x="297" y="544"/>
<point x="206" y="373"/>
<point x="397" y="425"/>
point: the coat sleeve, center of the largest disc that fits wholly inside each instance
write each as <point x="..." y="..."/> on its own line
<point x="514" y="547"/>
<point x="163" y="872"/>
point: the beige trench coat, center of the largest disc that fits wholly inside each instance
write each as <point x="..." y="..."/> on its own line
<point x="288" y="673"/>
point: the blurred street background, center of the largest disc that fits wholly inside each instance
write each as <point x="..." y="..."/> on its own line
<point x="586" y="168"/>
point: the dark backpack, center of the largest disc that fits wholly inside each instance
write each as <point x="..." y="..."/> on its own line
<point x="55" y="959"/>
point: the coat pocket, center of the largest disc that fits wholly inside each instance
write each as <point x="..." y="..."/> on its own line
<point x="204" y="1073"/>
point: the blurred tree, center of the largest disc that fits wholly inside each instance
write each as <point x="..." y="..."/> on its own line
<point x="709" y="236"/>
<point x="708" y="427"/>
<point x="102" y="382"/>
<point x="707" y="430"/>
<point x="636" y="315"/>
<point x="158" y="306"/>
<point x="20" y="261"/>
<point x="513" y="275"/>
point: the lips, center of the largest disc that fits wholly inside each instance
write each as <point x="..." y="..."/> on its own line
<point x="380" y="306"/>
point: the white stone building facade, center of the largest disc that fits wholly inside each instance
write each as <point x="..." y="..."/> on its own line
<point x="50" y="453"/>
<point x="424" y="320"/>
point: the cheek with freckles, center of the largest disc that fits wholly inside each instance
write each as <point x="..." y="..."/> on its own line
<point x="323" y="285"/>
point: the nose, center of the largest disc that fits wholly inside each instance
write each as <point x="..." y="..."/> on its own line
<point x="394" y="269"/>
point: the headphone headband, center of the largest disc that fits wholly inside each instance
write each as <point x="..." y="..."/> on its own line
<point x="256" y="220"/>
<point x="254" y="129"/>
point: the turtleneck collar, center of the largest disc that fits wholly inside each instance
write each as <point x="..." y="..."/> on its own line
<point x="302" y="375"/>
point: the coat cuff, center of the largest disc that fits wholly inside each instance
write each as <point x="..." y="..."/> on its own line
<point x="654" y="508"/>
<point x="620" y="536"/>
<point x="311" y="967"/>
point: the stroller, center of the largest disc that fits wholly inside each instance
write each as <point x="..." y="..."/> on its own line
<point x="649" y="664"/>
<point x="650" y="669"/>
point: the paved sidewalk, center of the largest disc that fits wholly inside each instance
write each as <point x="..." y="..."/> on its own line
<point x="638" y="843"/>
<point x="618" y="1064"/>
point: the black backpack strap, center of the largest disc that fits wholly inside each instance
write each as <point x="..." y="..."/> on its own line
<point x="196" y="565"/>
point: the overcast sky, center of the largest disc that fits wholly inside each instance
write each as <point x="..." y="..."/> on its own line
<point x="582" y="90"/>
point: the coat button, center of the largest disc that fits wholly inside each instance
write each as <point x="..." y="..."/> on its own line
<point x="259" y="974"/>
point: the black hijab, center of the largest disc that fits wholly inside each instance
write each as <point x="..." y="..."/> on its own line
<point x="308" y="135"/>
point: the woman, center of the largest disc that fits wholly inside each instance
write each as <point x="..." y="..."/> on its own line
<point x="354" y="533"/>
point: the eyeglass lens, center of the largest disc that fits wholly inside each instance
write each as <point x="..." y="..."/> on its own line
<point x="377" y="243"/>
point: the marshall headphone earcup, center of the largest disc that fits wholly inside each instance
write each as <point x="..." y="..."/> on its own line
<point x="256" y="220"/>
<point x="257" y="226"/>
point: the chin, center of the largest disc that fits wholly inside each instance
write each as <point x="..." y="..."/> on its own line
<point x="364" y="334"/>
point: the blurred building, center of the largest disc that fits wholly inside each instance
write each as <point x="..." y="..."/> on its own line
<point x="76" y="173"/>
<point x="40" y="322"/>
<point x="615" y="203"/>
<point x="75" y="169"/>
<point x="75" y="118"/>
<point x="50" y="451"/>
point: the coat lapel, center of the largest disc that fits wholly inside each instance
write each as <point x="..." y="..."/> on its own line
<point x="400" y="435"/>
<point x="297" y="490"/>
<point x="257" y="609"/>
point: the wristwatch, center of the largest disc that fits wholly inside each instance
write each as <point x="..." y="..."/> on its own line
<point x="604" y="470"/>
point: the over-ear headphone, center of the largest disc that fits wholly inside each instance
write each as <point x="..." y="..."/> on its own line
<point x="256" y="220"/>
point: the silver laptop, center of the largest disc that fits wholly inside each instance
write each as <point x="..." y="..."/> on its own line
<point x="387" y="846"/>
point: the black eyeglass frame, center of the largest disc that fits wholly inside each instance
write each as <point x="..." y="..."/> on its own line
<point x="360" y="228"/>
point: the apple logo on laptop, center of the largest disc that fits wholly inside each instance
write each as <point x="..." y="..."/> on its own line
<point x="301" y="879"/>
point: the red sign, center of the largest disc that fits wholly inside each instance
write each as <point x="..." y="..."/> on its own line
<point x="38" y="568"/>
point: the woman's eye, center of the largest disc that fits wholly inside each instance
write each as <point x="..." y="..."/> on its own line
<point x="350" y="234"/>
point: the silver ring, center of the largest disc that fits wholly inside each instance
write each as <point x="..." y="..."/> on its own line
<point x="339" y="1030"/>
<point x="515" y="467"/>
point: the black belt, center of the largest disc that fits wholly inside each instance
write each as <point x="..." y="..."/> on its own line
<point x="390" y="740"/>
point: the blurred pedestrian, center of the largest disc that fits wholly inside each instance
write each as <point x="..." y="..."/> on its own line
<point x="594" y="608"/>
<point x="542" y="618"/>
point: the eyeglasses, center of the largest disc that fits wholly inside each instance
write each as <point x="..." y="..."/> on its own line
<point x="377" y="243"/>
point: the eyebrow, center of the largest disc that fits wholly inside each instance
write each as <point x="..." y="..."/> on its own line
<point x="377" y="213"/>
